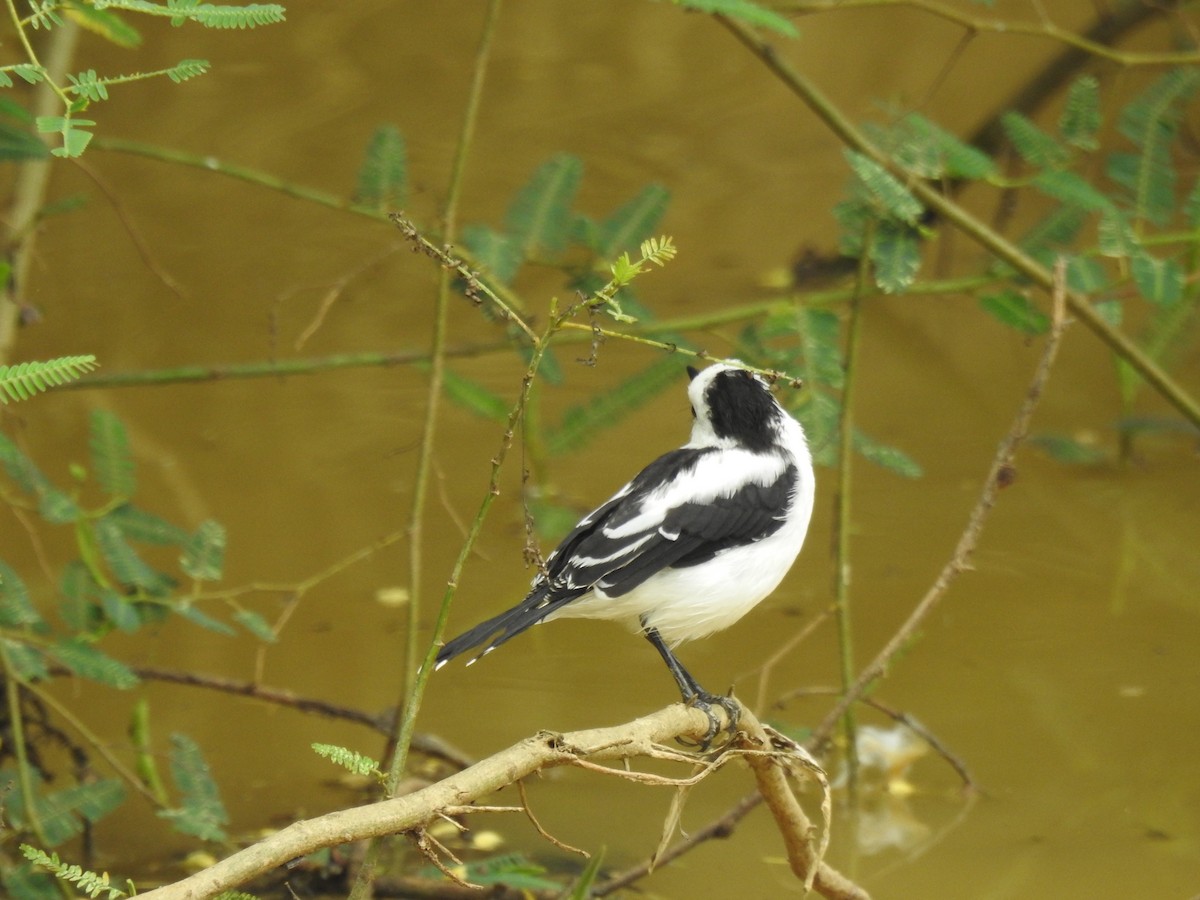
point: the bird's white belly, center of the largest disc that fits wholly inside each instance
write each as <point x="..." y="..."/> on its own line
<point x="692" y="602"/>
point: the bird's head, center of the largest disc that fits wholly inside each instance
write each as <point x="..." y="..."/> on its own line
<point x="732" y="408"/>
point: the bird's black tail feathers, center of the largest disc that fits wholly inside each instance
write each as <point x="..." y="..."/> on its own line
<point x="496" y="630"/>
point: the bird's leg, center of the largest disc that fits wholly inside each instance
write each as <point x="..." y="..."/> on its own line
<point x="693" y="694"/>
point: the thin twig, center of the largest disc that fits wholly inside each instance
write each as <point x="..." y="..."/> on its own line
<point x="561" y="845"/>
<point x="999" y="476"/>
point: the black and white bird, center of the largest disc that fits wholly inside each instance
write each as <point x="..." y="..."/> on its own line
<point x="692" y="543"/>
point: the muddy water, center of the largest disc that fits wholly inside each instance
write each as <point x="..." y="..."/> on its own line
<point x="1061" y="672"/>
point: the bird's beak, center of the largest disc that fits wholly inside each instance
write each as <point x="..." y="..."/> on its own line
<point x="692" y="372"/>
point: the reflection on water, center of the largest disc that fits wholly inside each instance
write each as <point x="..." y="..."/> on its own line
<point x="1058" y="671"/>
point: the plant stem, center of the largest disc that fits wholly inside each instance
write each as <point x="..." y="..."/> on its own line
<point x="999" y="246"/>
<point x="842" y="524"/>
<point x="12" y="691"/>
<point x="29" y="191"/>
<point x="415" y="679"/>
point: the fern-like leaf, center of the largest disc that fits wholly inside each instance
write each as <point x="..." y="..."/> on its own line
<point x="204" y="554"/>
<point x="744" y="11"/>
<point x="202" y="813"/>
<point x="138" y="525"/>
<point x="16" y="606"/>
<point x="383" y="175"/>
<point x="348" y="759"/>
<point x="91" y="883"/>
<point x="112" y="461"/>
<point x="1032" y="143"/>
<point x="890" y="197"/>
<point x="74" y="133"/>
<point x="608" y="408"/>
<point x="1080" y="119"/>
<point x="1072" y="189"/>
<point x="88" y="85"/>
<point x="108" y="25"/>
<point x="539" y="215"/>
<point x="86" y="661"/>
<point x="896" y="255"/>
<point x="44" y="14"/>
<point x="1158" y="280"/>
<point x="53" y="505"/>
<point x="1017" y="311"/>
<point x="210" y="15"/>
<point x="22" y="381"/>
<point x="951" y="157"/>
<point x="125" y="562"/>
<point x="632" y="223"/>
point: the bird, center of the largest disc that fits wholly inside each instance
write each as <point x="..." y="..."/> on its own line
<point x="691" y="544"/>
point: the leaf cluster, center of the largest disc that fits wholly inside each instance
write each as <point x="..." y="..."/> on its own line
<point x="84" y="88"/>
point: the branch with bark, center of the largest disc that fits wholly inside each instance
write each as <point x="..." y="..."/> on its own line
<point x="773" y="759"/>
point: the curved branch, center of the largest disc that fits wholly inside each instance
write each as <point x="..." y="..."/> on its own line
<point x="643" y="737"/>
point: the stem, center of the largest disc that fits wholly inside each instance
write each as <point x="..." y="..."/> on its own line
<point x="12" y="691"/>
<point x="977" y="230"/>
<point x="32" y="180"/>
<point x="842" y="526"/>
<point x="416" y="679"/>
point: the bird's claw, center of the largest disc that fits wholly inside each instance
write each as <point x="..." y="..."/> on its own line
<point x="705" y="702"/>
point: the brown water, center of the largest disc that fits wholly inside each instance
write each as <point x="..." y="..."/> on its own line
<point x="1062" y="671"/>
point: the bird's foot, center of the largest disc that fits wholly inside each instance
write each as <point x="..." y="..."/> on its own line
<point x="704" y="701"/>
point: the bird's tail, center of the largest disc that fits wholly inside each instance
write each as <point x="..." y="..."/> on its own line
<point x="496" y="630"/>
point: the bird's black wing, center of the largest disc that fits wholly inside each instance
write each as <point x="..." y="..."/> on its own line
<point x="565" y="579"/>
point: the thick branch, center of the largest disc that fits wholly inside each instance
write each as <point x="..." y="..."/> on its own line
<point x="641" y="738"/>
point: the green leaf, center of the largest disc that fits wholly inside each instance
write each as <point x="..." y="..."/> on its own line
<point x="896" y="254"/>
<point x="108" y="25"/>
<point x="17" y="145"/>
<point x="22" y="381"/>
<point x="631" y="223"/>
<point x="890" y="196"/>
<point x="120" y="610"/>
<point x="350" y="760"/>
<point x="820" y="332"/>
<point x="61" y="813"/>
<point x="139" y="525"/>
<point x="1068" y="450"/>
<point x="1115" y="234"/>
<point x="78" y="590"/>
<point x="204" y="555"/>
<point x="474" y="397"/>
<point x="74" y="136"/>
<point x="1072" y="190"/>
<point x="743" y="11"/>
<point x="194" y="615"/>
<point x="1150" y="180"/>
<point x="209" y="15"/>
<point x="16" y="606"/>
<point x="1034" y="146"/>
<point x="953" y="158"/>
<point x="202" y="814"/>
<point x="1086" y="275"/>
<point x="539" y="215"/>
<point x="256" y="625"/>
<point x="28" y="662"/>
<point x="23" y="882"/>
<point x="383" y="175"/>
<point x="605" y="409"/>
<point x="499" y="254"/>
<point x="1017" y="311"/>
<point x="88" y="85"/>
<point x="1056" y="231"/>
<point x="88" y="662"/>
<point x="1080" y="120"/>
<point x="128" y="567"/>
<point x="53" y="505"/>
<point x="112" y="461"/>
<point x="1158" y="280"/>
<point x="890" y="458"/>
<point x="187" y="69"/>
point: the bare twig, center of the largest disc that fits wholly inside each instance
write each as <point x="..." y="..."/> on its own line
<point x="999" y="475"/>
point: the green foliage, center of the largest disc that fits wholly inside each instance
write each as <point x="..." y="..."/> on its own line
<point x="85" y="660"/>
<point x="539" y="216"/>
<point x="204" y="553"/>
<point x="1081" y="119"/>
<point x="745" y="11"/>
<point x="383" y="175"/>
<point x="1034" y="145"/>
<point x="88" y="86"/>
<point x="22" y="381"/>
<point x="91" y="883"/>
<point x="16" y="607"/>
<point x="1016" y="310"/>
<point x="201" y="812"/>
<point x="349" y="760"/>
<point x="112" y="463"/>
